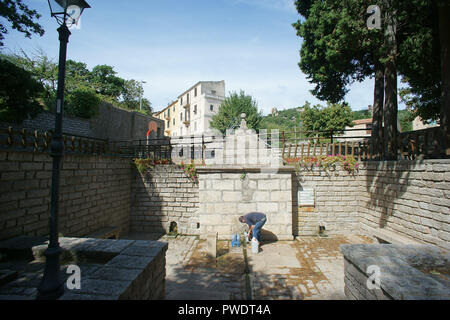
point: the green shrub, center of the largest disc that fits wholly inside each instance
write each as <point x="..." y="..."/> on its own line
<point x="19" y="93"/>
<point x="82" y="102"/>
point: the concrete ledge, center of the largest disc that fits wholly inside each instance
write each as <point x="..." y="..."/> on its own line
<point x="246" y="168"/>
<point x="105" y="233"/>
<point x="390" y="236"/>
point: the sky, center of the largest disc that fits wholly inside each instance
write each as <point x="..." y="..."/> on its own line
<point x="173" y="44"/>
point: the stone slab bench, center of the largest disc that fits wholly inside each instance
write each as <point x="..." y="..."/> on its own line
<point x="406" y="272"/>
<point x="110" y="269"/>
<point x="390" y="236"/>
<point x="105" y="233"/>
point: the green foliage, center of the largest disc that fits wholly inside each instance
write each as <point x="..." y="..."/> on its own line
<point x="20" y="17"/>
<point x="104" y="80"/>
<point x="190" y="171"/>
<point x="339" y="49"/>
<point x="332" y="117"/>
<point x="361" y="114"/>
<point x="82" y="102"/>
<point x="83" y="88"/>
<point x="325" y="163"/>
<point x="142" y="165"/>
<point x="19" y="93"/>
<point x="284" y="120"/>
<point x="229" y="115"/>
<point x="406" y="118"/>
<point x="131" y="95"/>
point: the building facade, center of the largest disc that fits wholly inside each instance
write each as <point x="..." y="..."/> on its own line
<point x="192" y="112"/>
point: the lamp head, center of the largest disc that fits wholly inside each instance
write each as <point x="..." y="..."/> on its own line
<point x="72" y="10"/>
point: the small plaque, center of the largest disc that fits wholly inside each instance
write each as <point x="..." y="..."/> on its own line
<point x="306" y="197"/>
<point x="58" y="106"/>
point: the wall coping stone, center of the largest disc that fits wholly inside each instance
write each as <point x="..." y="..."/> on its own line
<point x="400" y="277"/>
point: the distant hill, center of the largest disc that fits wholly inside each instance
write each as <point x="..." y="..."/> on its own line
<point x="287" y="120"/>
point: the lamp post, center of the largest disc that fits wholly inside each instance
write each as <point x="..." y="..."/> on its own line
<point x="51" y="286"/>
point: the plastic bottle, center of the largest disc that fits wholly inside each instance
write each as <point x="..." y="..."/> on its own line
<point x="238" y="240"/>
<point x="233" y="240"/>
<point x="255" y="245"/>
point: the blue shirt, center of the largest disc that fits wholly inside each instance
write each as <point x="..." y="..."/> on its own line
<point x="253" y="218"/>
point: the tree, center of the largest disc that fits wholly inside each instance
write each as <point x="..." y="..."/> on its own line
<point x="339" y="49"/>
<point x="229" y="115"/>
<point x="19" y="93"/>
<point x="20" y="17"/>
<point x="131" y="94"/>
<point x="104" y="80"/>
<point x="82" y="102"/>
<point x="334" y="117"/>
<point x="284" y="120"/>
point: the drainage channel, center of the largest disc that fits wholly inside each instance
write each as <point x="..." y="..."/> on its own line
<point x="248" y="286"/>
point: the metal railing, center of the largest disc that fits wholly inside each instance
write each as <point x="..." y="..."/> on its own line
<point x="419" y="144"/>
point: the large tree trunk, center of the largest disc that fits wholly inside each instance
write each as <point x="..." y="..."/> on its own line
<point x="390" y="88"/>
<point x="444" y="32"/>
<point x="377" y="118"/>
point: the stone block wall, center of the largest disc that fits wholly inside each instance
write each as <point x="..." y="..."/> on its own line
<point x="409" y="198"/>
<point x="336" y="195"/>
<point x="226" y="194"/>
<point x="94" y="192"/>
<point x="161" y="196"/>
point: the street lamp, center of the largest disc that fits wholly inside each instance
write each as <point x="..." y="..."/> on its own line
<point x="51" y="286"/>
<point x="140" y="97"/>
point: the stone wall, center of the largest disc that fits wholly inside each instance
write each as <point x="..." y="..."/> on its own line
<point x="111" y="123"/>
<point x="161" y="196"/>
<point x="121" y="125"/>
<point x="409" y="199"/>
<point x="227" y="193"/>
<point x="336" y="200"/>
<point x="71" y="125"/>
<point x="94" y="192"/>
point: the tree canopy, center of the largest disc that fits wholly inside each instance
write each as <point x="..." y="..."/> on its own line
<point x="19" y="93"/>
<point x="20" y="17"/>
<point x="339" y="49"/>
<point x="229" y="115"/>
<point x="84" y="89"/>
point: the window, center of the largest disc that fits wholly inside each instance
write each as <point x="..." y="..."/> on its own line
<point x="168" y="113"/>
<point x="213" y="91"/>
<point x="181" y="116"/>
<point x="181" y="131"/>
<point x="181" y="101"/>
<point x="173" y="121"/>
<point x="195" y="109"/>
<point x="187" y="98"/>
<point x="211" y="107"/>
<point x="195" y="92"/>
<point x="168" y="123"/>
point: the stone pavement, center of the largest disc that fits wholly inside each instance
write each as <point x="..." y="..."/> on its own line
<point x="308" y="268"/>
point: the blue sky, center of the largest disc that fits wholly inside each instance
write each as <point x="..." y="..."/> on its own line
<point x="172" y="44"/>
